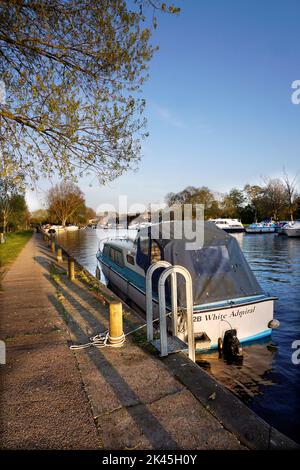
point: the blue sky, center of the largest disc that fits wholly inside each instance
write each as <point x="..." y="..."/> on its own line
<point x="218" y="101"/>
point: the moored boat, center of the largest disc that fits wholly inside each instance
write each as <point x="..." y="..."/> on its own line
<point x="261" y="227"/>
<point x="229" y="225"/>
<point x="53" y="228"/>
<point x="292" y="229"/>
<point x="280" y="226"/>
<point x="72" y="228"/>
<point x="226" y="294"/>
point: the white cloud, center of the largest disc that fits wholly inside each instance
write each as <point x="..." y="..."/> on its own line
<point x="166" y="115"/>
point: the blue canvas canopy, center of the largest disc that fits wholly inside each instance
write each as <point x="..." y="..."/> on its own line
<point x="219" y="269"/>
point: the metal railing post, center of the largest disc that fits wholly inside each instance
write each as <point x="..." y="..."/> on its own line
<point x="149" y="306"/>
<point x="173" y="270"/>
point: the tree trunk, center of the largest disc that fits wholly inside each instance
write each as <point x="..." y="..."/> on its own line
<point x="4" y="223"/>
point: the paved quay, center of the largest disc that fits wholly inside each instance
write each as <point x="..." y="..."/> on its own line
<point x="126" y="398"/>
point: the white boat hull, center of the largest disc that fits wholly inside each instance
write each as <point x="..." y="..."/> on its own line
<point x="250" y="320"/>
<point x="292" y="232"/>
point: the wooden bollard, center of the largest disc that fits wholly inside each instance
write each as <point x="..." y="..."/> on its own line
<point x="71" y="268"/>
<point x="2" y="238"/>
<point x="116" y="335"/>
<point x="52" y="246"/>
<point x="59" y="255"/>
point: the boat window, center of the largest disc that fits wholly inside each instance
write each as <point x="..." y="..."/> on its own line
<point x="130" y="259"/>
<point x="116" y="256"/>
<point x="155" y="252"/>
<point x="144" y="245"/>
<point x="106" y="251"/>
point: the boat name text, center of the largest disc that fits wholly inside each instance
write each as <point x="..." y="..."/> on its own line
<point x="219" y="316"/>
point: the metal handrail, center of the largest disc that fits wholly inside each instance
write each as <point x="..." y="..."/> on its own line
<point x="149" y="305"/>
<point x="173" y="271"/>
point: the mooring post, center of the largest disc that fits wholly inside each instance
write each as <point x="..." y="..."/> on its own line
<point x="53" y="245"/>
<point x="59" y="255"/>
<point x="71" y="268"/>
<point x="116" y="335"/>
<point x="2" y="238"/>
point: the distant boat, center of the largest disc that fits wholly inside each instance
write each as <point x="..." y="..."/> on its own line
<point x="53" y="228"/>
<point x="292" y="229"/>
<point x="139" y="225"/>
<point x="229" y="225"/>
<point x="72" y="228"/>
<point x="261" y="227"/>
<point x="280" y="226"/>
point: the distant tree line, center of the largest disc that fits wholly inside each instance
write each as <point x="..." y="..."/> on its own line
<point x="276" y="199"/>
<point x="65" y="205"/>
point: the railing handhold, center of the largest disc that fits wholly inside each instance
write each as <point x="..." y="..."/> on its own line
<point x="173" y="271"/>
<point x="149" y="306"/>
<point x="169" y="271"/>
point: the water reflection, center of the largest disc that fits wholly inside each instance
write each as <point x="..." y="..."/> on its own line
<point x="265" y="379"/>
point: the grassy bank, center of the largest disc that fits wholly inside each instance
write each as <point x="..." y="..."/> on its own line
<point x="9" y="250"/>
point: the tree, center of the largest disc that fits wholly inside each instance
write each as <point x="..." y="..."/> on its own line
<point x="253" y="196"/>
<point x="233" y="203"/>
<point x="39" y="217"/>
<point x="90" y="214"/>
<point x="193" y="195"/>
<point x="13" y="207"/>
<point x="297" y="205"/>
<point x="12" y="189"/>
<point x="291" y="193"/>
<point x="82" y="215"/>
<point x="64" y="200"/>
<point x="274" y="197"/>
<point x="20" y="214"/>
<point x="73" y="70"/>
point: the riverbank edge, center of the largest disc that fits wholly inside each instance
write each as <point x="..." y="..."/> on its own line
<point x="251" y="430"/>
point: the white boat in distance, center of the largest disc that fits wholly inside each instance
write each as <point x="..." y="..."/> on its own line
<point x="229" y="225"/>
<point x="226" y="294"/>
<point x="261" y="227"/>
<point x="292" y="229"/>
<point x="53" y="228"/>
<point x="138" y="225"/>
<point x="72" y="228"/>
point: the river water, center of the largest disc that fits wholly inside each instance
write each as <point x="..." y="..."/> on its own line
<point x="266" y="379"/>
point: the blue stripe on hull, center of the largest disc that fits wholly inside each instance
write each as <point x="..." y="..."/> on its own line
<point x="249" y="339"/>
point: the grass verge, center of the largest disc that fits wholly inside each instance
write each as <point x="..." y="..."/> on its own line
<point x="14" y="242"/>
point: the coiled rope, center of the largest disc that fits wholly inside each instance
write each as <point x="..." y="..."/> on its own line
<point x="101" y="340"/>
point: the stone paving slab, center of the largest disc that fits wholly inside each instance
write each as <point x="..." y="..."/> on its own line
<point x="175" y="421"/>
